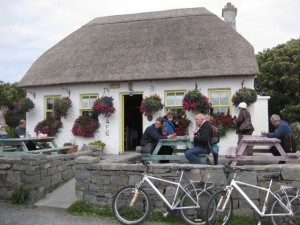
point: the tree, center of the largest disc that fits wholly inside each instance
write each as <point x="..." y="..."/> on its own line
<point x="9" y="94"/>
<point x="280" y="79"/>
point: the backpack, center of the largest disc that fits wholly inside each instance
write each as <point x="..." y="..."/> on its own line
<point x="289" y="143"/>
<point x="215" y="135"/>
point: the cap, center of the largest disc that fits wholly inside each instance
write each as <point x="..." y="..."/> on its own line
<point x="243" y="105"/>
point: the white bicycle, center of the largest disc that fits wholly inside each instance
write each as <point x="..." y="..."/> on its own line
<point x="283" y="210"/>
<point x="132" y="204"/>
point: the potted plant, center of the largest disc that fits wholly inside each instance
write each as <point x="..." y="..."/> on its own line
<point x="196" y="102"/>
<point x="151" y="105"/>
<point x="24" y="105"/>
<point x="49" y="126"/>
<point x="244" y="94"/>
<point x="61" y="107"/>
<point x="104" y="106"/>
<point x="97" y="145"/>
<point x="85" y="126"/>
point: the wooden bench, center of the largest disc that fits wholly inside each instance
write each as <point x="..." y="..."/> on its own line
<point x="256" y="148"/>
<point x="204" y="159"/>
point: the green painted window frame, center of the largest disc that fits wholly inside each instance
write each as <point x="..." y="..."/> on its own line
<point x="49" y="110"/>
<point x="86" y="110"/>
<point x="220" y="106"/>
<point x="177" y="101"/>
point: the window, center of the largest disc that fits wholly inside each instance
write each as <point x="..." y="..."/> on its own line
<point x="86" y="103"/>
<point x="173" y="101"/>
<point x="49" y="106"/>
<point x="220" y="99"/>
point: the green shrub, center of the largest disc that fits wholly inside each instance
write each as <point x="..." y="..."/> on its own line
<point x="20" y="195"/>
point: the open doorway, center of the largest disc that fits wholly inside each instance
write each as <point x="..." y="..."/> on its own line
<point x="133" y="121"/>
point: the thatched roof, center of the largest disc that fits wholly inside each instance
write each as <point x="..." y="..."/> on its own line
<point x="173" y="44"/>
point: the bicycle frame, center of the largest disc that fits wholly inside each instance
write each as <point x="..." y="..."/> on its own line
<point x="234" y="184"/>
<point x="175" y="202"/>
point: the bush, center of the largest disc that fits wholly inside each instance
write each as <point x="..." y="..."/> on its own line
<point x="20" y="195"/>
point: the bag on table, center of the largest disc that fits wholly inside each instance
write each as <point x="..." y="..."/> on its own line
<point x="147" y="148"/>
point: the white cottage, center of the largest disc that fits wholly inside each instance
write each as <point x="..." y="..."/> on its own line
<point x="133" y="56"/>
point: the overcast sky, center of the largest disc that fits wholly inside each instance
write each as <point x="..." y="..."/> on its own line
<point x="28" y="28"/>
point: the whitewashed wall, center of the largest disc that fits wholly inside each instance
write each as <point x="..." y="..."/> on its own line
<point x="109" y="131"/>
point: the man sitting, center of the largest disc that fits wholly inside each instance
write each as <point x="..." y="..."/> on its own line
<point x="201" y="140"/>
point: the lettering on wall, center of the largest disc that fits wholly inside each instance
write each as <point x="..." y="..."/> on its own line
<point x="107" y="127"/>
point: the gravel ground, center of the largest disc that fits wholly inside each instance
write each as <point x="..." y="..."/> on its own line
<point x="18" y="215"/>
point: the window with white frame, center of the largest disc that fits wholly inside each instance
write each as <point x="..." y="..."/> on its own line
<point x="86" y="103"/>
<point x="220" y="99"/>
<point x="173" y="101"/>
<point x="49" y="106"/>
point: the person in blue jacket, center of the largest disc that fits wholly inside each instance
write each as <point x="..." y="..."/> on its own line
<point x="281" y="128"/>
<point x="169" y="124"/>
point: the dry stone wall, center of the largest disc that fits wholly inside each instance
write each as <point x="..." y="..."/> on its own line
<point x="97" y="181"/>
<point x="39" y="173"/>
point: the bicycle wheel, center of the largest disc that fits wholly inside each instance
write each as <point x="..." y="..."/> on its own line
<point x="194" y="216"/>
<point x="127" y="213"/>
<point x="216" y="212"/>
<point x="277" y="208"/>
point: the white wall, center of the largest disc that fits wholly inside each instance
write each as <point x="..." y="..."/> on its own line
<point x="109" y="131"/>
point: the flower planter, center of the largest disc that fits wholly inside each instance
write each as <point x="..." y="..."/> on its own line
<point x="97" y="148"/>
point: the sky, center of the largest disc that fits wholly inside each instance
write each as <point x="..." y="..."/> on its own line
<point x="28" y="28"/>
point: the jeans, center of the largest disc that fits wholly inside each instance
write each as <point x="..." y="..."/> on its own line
<point x="3" y="136"/>
<point x="191" y="154"/>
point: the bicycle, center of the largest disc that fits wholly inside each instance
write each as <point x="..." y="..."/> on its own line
<point x="284" y="209"/>
<point x="132" y="204"/>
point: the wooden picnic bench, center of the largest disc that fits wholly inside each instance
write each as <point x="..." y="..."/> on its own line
<point x="14" y="147"/>
<point x="180" y="144"/>
<point x="251" y="144"/>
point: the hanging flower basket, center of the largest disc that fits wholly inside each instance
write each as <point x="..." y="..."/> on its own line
<point x="61" y="107"/>
<point x="24" y="105"/>
<point x="196" y="102"/>
<point x="104" y="106"/>
<point x="85" y="126"/>
<point x="49" y="126"/>
<point x="183" y="124"/>
<point x="247" y="95"/>
<point x="151" y="105"/>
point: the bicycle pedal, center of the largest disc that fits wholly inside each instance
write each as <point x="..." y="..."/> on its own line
<point x="165" y="214"/>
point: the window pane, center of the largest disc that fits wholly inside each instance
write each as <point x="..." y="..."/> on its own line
<point x="179" y="98"/>
<point x="214" y="98"/>
<point x="50" y="103"/>
<point x="92" y="100"/>
<point x="224" y="99"/>
<point x="85" y="102"/>
<point x="170" y="98"/>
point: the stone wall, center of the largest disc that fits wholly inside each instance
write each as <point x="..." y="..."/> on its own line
<point x="97" y="181"/>
<point x="40" y="173"/>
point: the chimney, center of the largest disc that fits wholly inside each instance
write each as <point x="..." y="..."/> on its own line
<point x="229" y="13"/>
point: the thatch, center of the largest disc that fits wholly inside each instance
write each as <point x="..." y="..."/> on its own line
<point x="173" y="44"/>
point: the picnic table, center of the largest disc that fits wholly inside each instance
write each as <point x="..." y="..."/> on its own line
<point x="180" y="144"/>
<point x="14" y="147"/>
<point x="251" y="144"/>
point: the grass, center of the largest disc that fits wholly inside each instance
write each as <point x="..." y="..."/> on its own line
<point x="80" y="208"/>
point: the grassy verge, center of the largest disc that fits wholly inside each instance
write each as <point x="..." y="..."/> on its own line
<point x="80" y="208"/>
